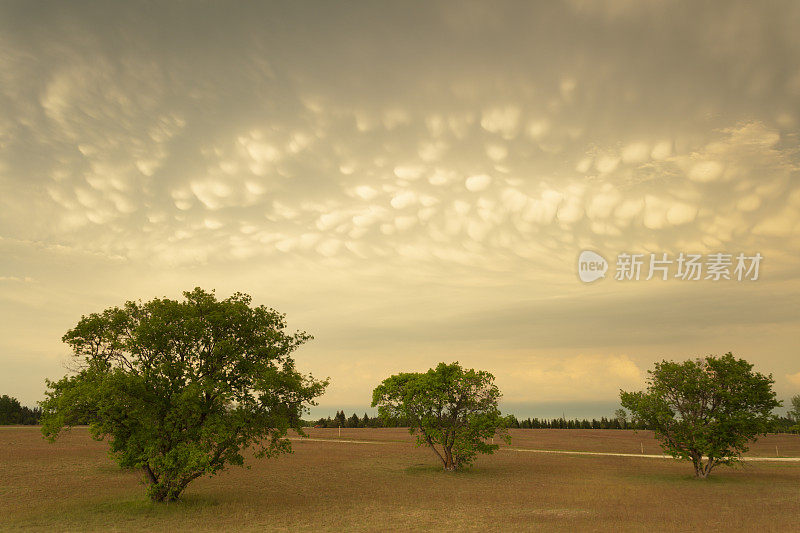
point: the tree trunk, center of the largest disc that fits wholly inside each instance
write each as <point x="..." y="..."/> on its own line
<point x="165" y="492"/>
<point x="155" y="491"/>
<point x="161" y="489"/>
<point x="711" y="463"/>
<point x="430" y="443"/>
<point x="449" y="463"/>
<point x="701" y="470"/>
<point x="149" y="476"/>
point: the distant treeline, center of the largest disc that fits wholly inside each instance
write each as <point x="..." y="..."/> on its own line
<point x="12" y="412"/>
<point x="563" y="423"/>
<point x="784" y="424"/>
<point x="353" y="421"/>
<point x="779" y="425"/>
<point x="342" y="421"/>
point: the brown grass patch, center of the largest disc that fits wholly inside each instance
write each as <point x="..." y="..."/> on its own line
<point x="74" y="486"/>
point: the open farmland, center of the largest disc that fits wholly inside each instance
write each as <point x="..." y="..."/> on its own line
<point x="383" y="482"/>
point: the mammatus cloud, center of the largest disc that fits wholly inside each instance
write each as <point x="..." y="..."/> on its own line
<point x="18" y="279"/>
<point x="377" y="214"/>
<point x="448" y="164"/>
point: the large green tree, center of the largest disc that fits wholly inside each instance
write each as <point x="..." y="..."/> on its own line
<point x="706" y="410"/>
<point x="180" y="387"/>
<point x="452" y="410"/>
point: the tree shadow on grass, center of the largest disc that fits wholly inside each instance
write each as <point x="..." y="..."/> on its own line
<point x="426" y="469"/>
<point x="118" y="512"/>
<point x="675" y="478"/>
<point x="106" y="468"/>
<point x="188" y="503"/>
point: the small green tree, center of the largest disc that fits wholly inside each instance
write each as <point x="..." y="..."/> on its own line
<point x="353" y="421"/>
<point x="453" y="410"/>
<point x="10" y="410"/>
<point x="180" y="388"/>
<point x="706" y="410"/>
<point x="621" y="417"/>
<point x="794" y="412"/>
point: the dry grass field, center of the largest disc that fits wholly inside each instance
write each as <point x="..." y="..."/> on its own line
<point x="385" y="483"/>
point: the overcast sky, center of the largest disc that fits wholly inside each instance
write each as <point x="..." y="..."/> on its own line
<point x="408" y="182"/>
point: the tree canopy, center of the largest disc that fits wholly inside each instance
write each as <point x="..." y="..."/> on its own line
<point x="705" y="410"/>
<point x="452" y="410"/>
<point x="180" y="387"/>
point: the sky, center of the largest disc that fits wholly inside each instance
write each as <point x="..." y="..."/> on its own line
<point x="409" y="182"/>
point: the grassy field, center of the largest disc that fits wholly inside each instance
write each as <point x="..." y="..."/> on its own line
<point x="385" y="483"/>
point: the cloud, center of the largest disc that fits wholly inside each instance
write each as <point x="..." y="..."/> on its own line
<point x="403" y="199"/>
<point x="502" y="120"/>
<point x="585" y="376"/>
<point x="478" y="182"/>
<point x="383" y="166"/>
<point x="705" y="171"/>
